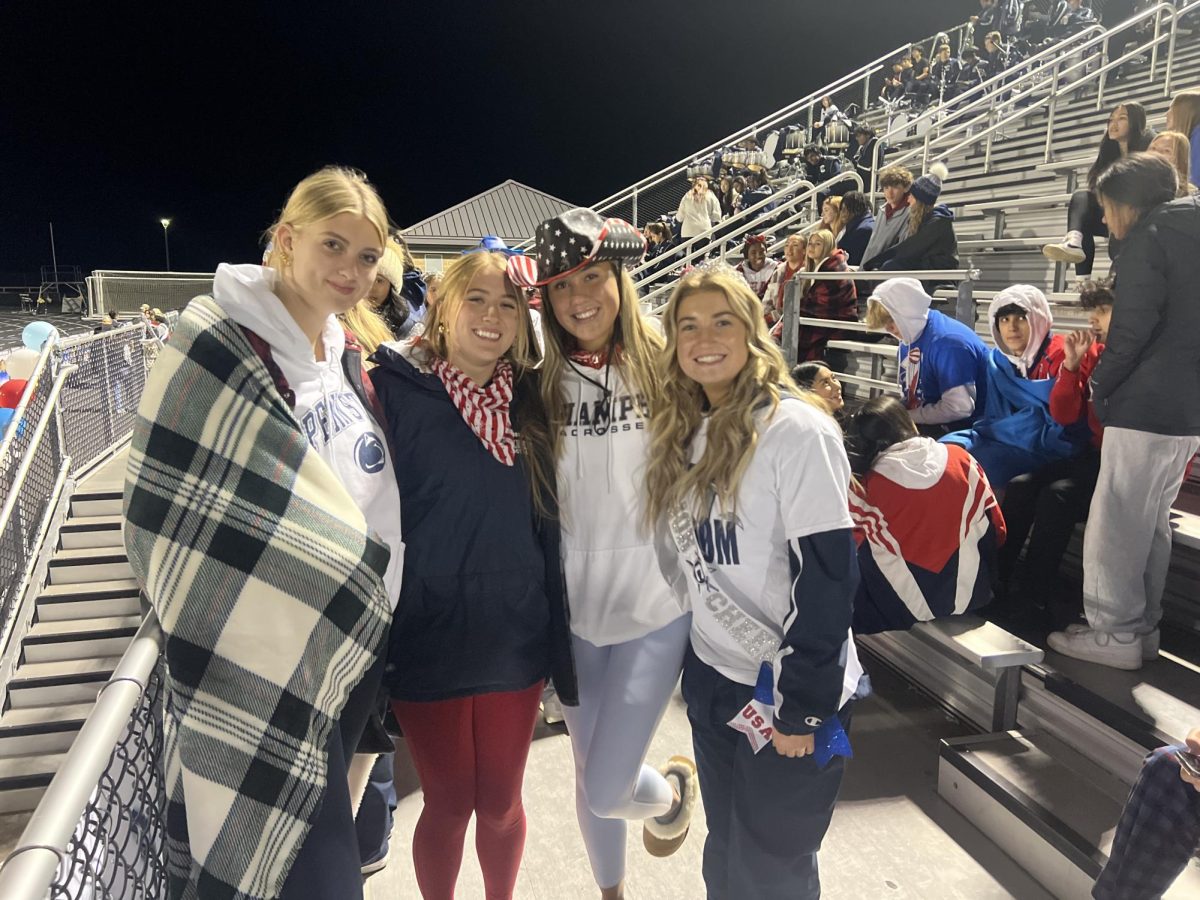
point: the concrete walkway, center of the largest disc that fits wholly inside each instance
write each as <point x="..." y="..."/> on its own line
<point x="891" y="837"/>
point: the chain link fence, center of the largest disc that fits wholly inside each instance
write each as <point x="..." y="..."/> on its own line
<point x="100" y="398"/>
<point x="120" y="843"/>
<point x="30" y="461"/>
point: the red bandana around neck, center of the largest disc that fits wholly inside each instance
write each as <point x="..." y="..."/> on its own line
<point x="593" y="359"/>
<point x="485" y="408"/>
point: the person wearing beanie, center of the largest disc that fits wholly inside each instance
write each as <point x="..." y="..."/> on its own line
<point x="384" y="298"/>
<point x="929" y="242"/>
<point x="1016" y="433"/>
<point x="942" y="363"/>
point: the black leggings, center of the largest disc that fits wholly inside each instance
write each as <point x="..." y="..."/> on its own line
<point x="1087" y="217"/>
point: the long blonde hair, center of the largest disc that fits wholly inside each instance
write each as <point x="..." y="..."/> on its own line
<point x="639" y="348"/>
<point x="732" y="433"/>
<point x="452" y="293"/>
<point x="1181" y="151"/>
<point x="825" y="236"/>
<point x="366" y="325"/>
<point x="535" y="434"/>
<point x="326" y="193"/>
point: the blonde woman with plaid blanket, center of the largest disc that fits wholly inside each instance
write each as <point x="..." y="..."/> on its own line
<point x="263" y="524"/>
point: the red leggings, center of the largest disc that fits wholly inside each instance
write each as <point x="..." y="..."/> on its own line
<point x="470" y="755"/>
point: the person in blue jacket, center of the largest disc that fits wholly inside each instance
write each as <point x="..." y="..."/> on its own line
<point x="859" y="226"/>
<point x="1015" y="433"/>
<point x="942" y="363"/>
<point x="482" y="619"/>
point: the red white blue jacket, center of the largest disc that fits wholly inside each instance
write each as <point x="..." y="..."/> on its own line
<point x="927" y="525"/>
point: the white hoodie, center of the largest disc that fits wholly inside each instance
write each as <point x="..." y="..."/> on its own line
<point x="330" y="413"/>
<point x="917" y="463"/>
<point x="614" y="583"/>
<point x="908" y="305"/>
<point x="1037" y="314"/>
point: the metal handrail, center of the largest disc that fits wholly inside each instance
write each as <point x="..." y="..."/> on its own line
<point x="35" y="441"/>
<point x="742" y="216"/>
<point x="1048" y="100"/>
<point x="802" y="197"/>
<point x="29" y="870"/>
<point x="865" y="71"/>
<point x="1053" y="67"/>
<point x="19" y="413"/>
<point x="983" y="94"/>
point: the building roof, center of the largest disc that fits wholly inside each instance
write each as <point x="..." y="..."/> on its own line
<point x="510" y="210"/>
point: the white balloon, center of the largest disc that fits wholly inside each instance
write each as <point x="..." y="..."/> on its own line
<point x="22" y="363"/>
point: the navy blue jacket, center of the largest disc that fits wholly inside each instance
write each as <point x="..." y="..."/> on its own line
<point x="482" y="607"/>
<point x="857" y="236"/>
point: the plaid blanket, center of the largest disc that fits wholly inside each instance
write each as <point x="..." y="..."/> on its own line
<point x="270" y="593"/>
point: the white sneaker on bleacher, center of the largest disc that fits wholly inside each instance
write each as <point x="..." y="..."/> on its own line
<point x="1068" y="250"/>
<point x="1150" y="642"/>
<point x="1116" y="650"/>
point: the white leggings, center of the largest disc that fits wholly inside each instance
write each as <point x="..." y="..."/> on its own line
<point x="623" y="692"/>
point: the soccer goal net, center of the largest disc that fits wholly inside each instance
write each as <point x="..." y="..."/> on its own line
<point x="126" y="292"/>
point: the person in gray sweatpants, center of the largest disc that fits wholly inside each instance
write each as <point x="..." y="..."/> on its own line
<point x="1146" y="391"/>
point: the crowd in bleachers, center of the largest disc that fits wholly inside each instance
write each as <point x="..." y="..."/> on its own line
<point x="437" y="495"/>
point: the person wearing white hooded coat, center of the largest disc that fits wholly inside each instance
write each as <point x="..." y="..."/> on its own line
<point x="942" y="363"/>
<point x="1015" y="433"/>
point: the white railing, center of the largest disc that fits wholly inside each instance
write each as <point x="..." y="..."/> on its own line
<point x="1012" y="98"/>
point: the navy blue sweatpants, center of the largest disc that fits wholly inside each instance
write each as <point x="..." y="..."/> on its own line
<point x="328" y="865"/>
<point x="767" y="814"/>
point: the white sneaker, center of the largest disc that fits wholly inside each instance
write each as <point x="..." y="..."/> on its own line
<point x="1064" y="251"/>
<point x="1150" y="642"/>
<point x="1118" y="651"/>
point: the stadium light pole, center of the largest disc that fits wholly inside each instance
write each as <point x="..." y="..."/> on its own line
<point x="166" y="223"/>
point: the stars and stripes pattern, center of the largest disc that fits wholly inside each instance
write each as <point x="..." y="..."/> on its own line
<point x="574" y="239"/>
<point x="485" y="408"/>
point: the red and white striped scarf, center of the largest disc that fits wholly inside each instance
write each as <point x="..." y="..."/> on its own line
<point x="485" y="409"/>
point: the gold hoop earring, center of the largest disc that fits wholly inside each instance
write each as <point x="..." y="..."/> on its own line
<point x="285" y="259"/>
<point x="441" y="327"/>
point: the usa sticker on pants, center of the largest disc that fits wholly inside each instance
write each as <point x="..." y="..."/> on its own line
<point x="756" y="721"/>
<point x="757" y="718"/>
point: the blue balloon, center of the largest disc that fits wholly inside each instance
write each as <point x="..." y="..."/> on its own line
<point x="5" y="417"/>
<point x="36" y="334"/>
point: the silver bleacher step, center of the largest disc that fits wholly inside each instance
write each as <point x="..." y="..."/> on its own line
<point x="86" y="503"/>
<point x="1049" y="808"/>
<point x="79" y="638"/>
<point x="82" y="532"/>
<point x="89" y="564"/>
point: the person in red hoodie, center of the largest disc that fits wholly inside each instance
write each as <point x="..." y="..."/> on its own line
<point x="1047" y="504"/>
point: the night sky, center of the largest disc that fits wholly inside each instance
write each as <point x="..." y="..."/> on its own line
<point x="114" y="115"/>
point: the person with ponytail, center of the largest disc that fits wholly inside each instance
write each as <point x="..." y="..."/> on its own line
<point x="629" y="630"/>
<point x="263" y="524"/>
<point x="482" y="618"/>
<point x="929" y="242"/>
<point x="927" y="522"/>
<point x="747" y="482"/>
